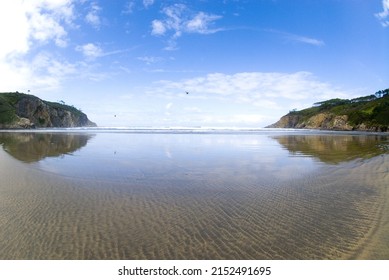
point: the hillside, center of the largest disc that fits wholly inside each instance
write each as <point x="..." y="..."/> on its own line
<point x="19" y="110"/>
<point x="368" y="113"/>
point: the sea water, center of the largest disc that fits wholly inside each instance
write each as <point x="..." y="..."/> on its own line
<point x="193" y="193"/>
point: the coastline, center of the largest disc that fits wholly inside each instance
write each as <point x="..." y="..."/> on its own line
<point x="173" y="129"/>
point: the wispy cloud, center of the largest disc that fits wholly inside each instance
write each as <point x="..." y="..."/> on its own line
<point x="179" y="19"/>
<point x="128" y="7"/>
<point x="148" y="3"/>
<point x="93" y="16"/>
<point x="384" y="15"/>
<point x="201" y="22"/>
<point x="305" y="40"/>
<point x="150" y="59"/>
<point x="92" y="51"/>
<point x="297" y="38"/>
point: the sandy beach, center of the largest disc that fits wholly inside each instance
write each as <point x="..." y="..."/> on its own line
<point x="192" y="197"/>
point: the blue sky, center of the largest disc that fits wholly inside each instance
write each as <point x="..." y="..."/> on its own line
<point x="245" y="63"/>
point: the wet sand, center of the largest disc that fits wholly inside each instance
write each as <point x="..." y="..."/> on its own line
<point x="244" y="204"/>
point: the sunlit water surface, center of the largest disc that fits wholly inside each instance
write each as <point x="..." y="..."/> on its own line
<point x="193" y="195"/>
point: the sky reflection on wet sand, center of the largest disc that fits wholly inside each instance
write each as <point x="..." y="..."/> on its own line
<point x="259" y="195"/>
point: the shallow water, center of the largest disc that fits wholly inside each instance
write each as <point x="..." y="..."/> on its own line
<point x="193" y="195"/>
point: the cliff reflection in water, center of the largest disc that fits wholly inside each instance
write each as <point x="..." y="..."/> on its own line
<point x="32" y="147"/>
<point x="334" y="149"/>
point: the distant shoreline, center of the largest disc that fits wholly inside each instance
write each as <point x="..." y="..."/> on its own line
<point x="194" y="130"/>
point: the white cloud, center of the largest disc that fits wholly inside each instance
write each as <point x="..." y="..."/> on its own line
<point x="13" y="13"/>
<point x="158" y="27"/>
<point x="46" y="28"/>
<point x="47" y="20"/>
<point x="200" y="23"/>
<point x="260" y="89"/>
<point x="148" y="3"/>
<point x="247" y="99"/>
<point x="129" y="7"/>
<point x="43" y="72"/>
<point x="90" y="51"/>
<point x="241" y="99"/>
<point x="93" y="17"/>
<point x="28" y="25"/>
<point x="175" y="18"/>
<point x="31" y="55"/>
<point x="180" y="20"/>
<point x="384" y="15"/>
<point x="39" y="21"/>
<point x="150" y="59"/>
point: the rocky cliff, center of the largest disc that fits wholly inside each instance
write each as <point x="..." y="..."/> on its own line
<point x="325" y="121"/>
<point x="368" y="113"/>
<point x="18" y="110"/>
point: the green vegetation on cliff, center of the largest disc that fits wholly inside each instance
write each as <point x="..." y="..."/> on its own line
<point x="363" y="113"/>
<point x="19" y="110"/>
<point x="7" y="109"/>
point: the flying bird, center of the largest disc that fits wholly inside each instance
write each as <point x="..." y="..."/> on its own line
<point x="187" y="92"/>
